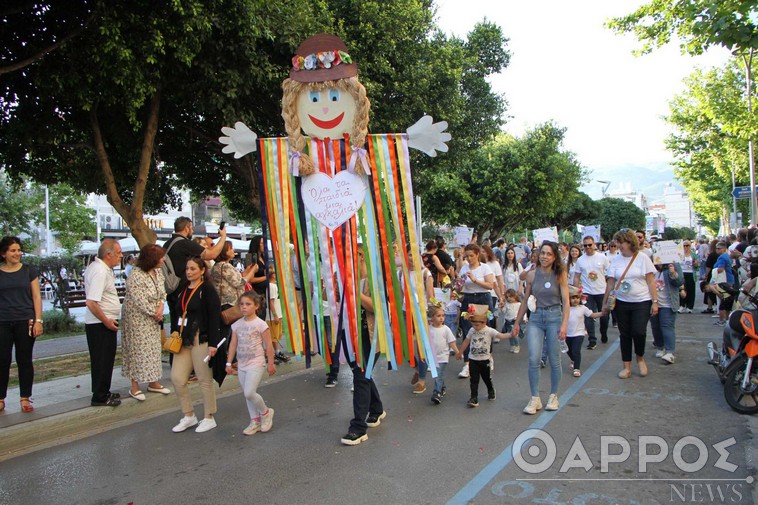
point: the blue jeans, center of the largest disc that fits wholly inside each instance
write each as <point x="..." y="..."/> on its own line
<point x="451" y="321"/>
<point x="439" y="382"/>
<point x="544" y="325"/>
<point x="664" y="329"/>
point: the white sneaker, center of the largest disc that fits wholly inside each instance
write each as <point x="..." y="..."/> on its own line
<point x="552" y="403"/>
<point x="668" y="357"/>
<point x="681" y="310"/>
<point x="464" y="372"/>
<point x="184" y="423"/>
<point x="207" y="424"/>
<point x="689" y="311"/>
<point x="253" y="428"/>
<point x="267" y="420"/>
<point x="533" y="406"/>
<point x="659" y="353"/>
<point x="515" y="349"/>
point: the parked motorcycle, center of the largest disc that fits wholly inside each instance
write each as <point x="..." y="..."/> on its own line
<point x="736" y="361"/>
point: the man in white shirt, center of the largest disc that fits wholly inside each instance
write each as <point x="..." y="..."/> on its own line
<point x="589" y="274"/>
<point x="101" y="321"/>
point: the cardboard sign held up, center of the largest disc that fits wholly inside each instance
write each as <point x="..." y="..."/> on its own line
<point x="667" y="251"/>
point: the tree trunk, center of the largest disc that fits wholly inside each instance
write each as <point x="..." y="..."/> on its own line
<point x="132" y="214"/>
<point x="247" y="170"/>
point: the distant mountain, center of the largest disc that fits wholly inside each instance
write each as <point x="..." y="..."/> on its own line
<point x="649" y="180"/>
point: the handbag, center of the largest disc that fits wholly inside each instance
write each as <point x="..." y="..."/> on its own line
<point x="231" y="315"/>
<point x="611" y="303"/>
<point x="173" y="343"/>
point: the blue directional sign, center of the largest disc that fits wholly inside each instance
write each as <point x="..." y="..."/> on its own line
<point x="742" y="192"/>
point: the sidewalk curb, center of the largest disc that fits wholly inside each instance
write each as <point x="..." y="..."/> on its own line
<point x="50" y="426"/>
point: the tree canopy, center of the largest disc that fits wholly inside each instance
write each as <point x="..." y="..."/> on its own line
<point x="131" y="106"/>
<point x="617" y="214"/>
<point x="710" y="137"/>
<point x="510" y="183"/>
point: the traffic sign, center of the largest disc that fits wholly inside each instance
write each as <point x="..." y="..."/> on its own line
<point x="742" y="192"/>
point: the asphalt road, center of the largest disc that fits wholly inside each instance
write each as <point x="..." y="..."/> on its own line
<point x="423" y="453"/>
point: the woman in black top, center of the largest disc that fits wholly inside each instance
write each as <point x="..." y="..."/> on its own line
<point x="709" y="298"/>
<point x="199" y="308"/>
<point x="259" y="280"/>
<point x="20" y="319"/>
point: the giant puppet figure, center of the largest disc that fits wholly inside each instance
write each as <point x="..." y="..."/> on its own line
<point x="327" y="188"/>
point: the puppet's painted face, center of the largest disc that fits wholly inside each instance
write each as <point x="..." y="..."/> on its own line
<point x="327" y="113"/>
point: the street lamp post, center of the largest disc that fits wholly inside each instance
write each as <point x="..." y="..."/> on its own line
<point x="48" y="235"/>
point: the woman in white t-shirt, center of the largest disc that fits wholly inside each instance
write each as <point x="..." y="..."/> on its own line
<point x="636" y="298"/>
<point x="478" y="281"/>
<point x="574" y="253"/>
<point x="511" y="272"/>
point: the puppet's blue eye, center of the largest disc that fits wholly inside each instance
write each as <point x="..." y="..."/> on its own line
<point x="334" y="95"/>
<point x="314" y="96"/>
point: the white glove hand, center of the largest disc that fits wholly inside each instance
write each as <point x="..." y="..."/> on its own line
<point x="239" y="140"/>
<point x="427" y="137"/>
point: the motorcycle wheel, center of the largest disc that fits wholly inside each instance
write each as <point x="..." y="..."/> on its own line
<point x="741" y="400"/>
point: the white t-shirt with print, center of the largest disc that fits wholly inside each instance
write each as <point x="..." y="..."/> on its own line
<point x="480" y="343"/>
<point x="634" y="286"/>
<point x="576" y="320"/>
<point x="250" y="352"/>
<point x="441" y="338"/>
<point x="592" y="272"/>
<point x="480" y="273"/>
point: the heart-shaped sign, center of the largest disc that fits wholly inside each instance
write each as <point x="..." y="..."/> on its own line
<point x="332" y="201"/>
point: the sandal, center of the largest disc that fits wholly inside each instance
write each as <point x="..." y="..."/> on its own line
<point x="625" y="373"/>
<point x="26" y="405"/>
<point x="643" y="368"/>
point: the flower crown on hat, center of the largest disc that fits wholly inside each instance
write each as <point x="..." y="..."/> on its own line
<point x="322" y="59"/>
<point x="474" y="310"/>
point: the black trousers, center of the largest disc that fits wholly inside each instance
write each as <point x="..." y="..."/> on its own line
<point x="102" y="353"/>
<point x="689" y="286"/>
<point x="632" y="319"/>
<point x="476" y="370"/>
<point x="366" y="398"/>
<point x="16" y="333"/>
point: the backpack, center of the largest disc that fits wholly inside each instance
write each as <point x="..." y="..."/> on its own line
<point x="171" y="280"/>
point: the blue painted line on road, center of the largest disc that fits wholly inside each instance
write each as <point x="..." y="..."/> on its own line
<point x="497" y="465"/>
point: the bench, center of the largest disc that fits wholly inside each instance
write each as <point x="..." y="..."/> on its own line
<point x="74" y="298"/>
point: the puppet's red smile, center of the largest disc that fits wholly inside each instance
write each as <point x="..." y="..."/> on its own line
<point x="327" y="125"/>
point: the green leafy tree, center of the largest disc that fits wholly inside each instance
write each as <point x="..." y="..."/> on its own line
<point x="15" y="208"/>
<point x="698" y="25"/>
<point x="580" y="210"/>
<point x="678" y="232"/>
<point x="71" y="220"/>
<point x="616" y="214"/>
<point x="510" y="184"/>
<point x="132" y="106"/>
<point x="711" y="132"/>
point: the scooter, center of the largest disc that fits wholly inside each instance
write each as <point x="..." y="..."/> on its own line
<point x="737" y="362"/>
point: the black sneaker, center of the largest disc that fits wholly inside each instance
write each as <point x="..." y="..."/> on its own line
<point x="591" y="346"/>
<point x="707" y="311"/>
<point x="330" y="382"/>
<point x="353" y="438"/>
<point x="444" y="391"/>
<point x="375" y="420"/>
<point x="282" y="357"/>
<point x="473" y="402"/>
<point x="110" y="402"/>
<point x="436" y="398"/>
<point x="114" y="395"/>
<point x="491" y="395"/>
<point x="604" y="339"/>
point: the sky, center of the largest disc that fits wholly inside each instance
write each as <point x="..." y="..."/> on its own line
<point x="566" y="67"/>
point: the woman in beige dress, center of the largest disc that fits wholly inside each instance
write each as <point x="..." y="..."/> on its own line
<point x="142" y="319"/>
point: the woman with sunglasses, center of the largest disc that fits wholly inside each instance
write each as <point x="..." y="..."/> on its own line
<point x="631" y="277"/>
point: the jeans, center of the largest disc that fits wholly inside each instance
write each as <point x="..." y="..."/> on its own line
<point x="575" y="350"/>
<point x="508" y="328"/>
<point x="664" y="329"/>
<point x="16" y="333"/>
<point x="632" y="321"/>
<point x="544" y="325"/>
<point x="102" y="354"/>
<point x="595" y="304"/>
<point x="468" y="299"/>
<point x="439" y="382"/>
<point x="451" y="321"/>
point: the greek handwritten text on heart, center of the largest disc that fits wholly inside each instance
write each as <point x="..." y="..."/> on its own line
<point x="332" y="201"/>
